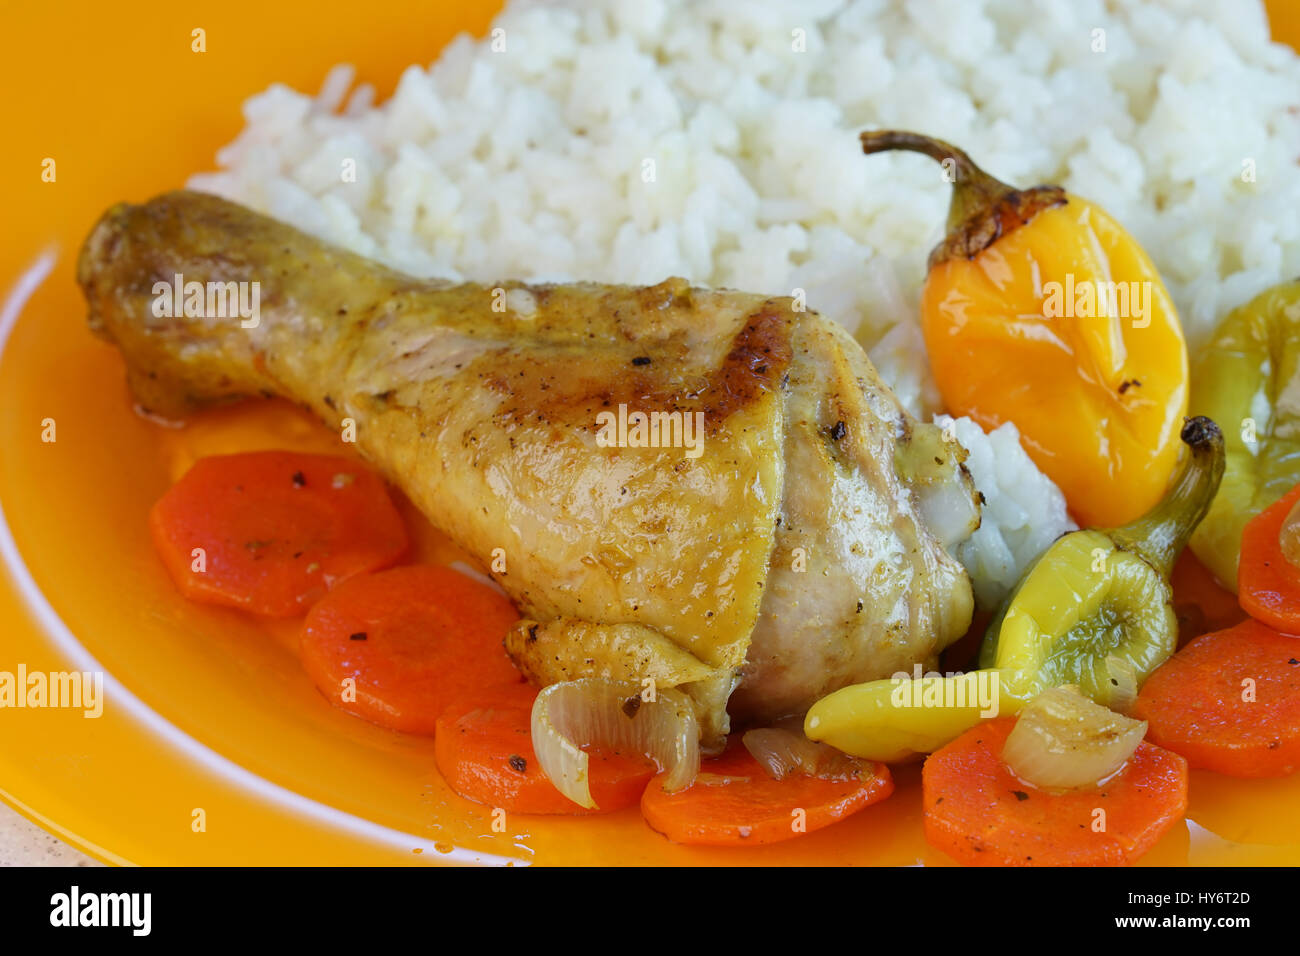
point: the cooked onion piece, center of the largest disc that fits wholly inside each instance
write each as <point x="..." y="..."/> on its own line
<point x="1064" y="741"/>
<point x="932" y="466"/>
<point x="782" y="752"/>
<point x="1289" y="537"/>
<point x="612" y="715"/>
<point x="1123" y="684"/>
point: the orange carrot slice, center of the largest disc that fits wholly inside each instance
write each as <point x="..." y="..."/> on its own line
<point x="736" y="802"/>
<point x="484" y="750"/>
<point x="979" y="813"/>
<point x="271" y="531"/>
<point x="398" y="646"/>
<point x="1229" y="702"/>
<point x="1268" y="585"/>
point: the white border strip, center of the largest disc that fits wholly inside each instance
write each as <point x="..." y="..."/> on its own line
<point x="63" y="638"/>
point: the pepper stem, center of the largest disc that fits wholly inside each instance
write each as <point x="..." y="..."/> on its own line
<point x="1161" y="533"/>
<point x="982" y="208"/>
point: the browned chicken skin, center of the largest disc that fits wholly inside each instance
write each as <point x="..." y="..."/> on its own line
<point x="795" y="550"/>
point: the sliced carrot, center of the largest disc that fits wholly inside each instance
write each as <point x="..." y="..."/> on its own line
<point x="271" y="531"/>
<point x="398" y="646"/>
<point x="979" y="813"/>
<point x="484" y="750"/>
<point x="736" y="802"/>
<point x="1229" y="702"/>
<point x="1268" y="585"/>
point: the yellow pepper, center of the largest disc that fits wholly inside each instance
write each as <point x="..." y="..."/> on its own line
<point x="1039" y="309"/>
<point x="1095" y="610"/>
<point x="896" y="719"/>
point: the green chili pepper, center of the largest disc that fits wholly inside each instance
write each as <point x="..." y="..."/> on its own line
<point x="1247" y="378"/>
<point x="1094" y="610"/>
<point x="1097" y="606"/>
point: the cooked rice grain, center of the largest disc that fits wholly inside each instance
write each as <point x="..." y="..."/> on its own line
<point x="629" y="140"/>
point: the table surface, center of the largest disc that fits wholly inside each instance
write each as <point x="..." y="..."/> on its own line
<point x="23" y="843"/>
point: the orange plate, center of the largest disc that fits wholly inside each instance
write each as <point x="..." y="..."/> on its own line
<point x="208" y="716"/>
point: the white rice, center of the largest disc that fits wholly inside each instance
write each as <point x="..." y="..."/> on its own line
<point x="629" y="140"/>
<point x="1023" y="510"/>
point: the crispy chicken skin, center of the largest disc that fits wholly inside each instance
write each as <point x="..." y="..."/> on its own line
<point x="790" y="558"/>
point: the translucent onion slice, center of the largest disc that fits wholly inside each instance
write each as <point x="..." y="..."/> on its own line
<point x="931" y="465"/>
<point x="610" y="714"/>
<point x="472" y="572"/>
<point x="718" y="779"/>
<point x="1123" y="684"/>
<point x="1289" y="537"/>
<point x="782" y="752"/>
<point x="1062" y="740"/>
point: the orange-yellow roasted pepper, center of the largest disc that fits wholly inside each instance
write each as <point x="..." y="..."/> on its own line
<point x="1039" y="309"/>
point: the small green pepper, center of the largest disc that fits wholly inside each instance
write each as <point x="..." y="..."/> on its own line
<point x="1094" y="610"/>
<point x="1247" y="378"/>
<point x="1097" y="604"/>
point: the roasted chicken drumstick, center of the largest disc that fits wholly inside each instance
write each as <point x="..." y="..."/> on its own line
<point x="800" y="543"/>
